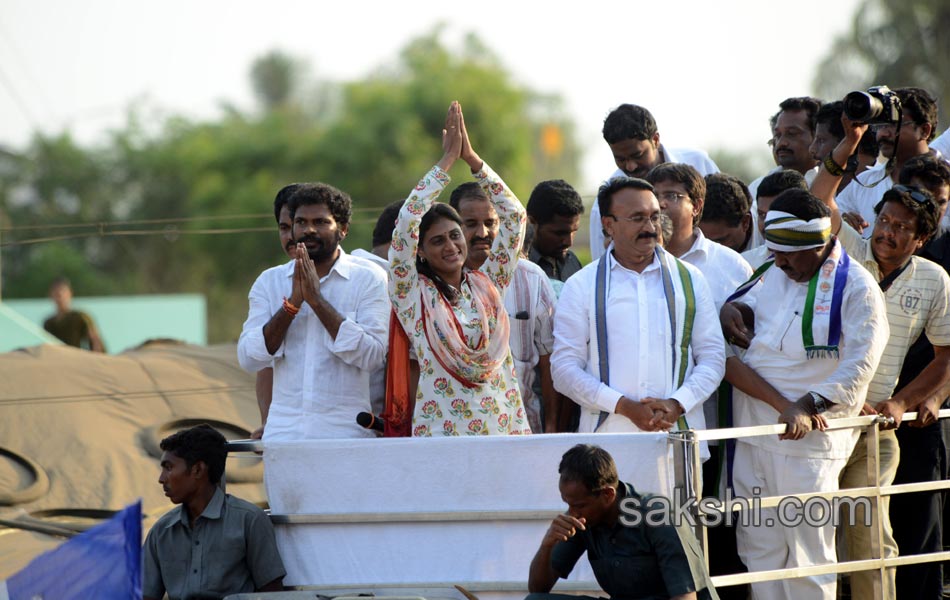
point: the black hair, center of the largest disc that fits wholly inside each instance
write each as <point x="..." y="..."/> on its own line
<point x="684" y="174"/>
<point x="591" y="465"/>
<point x="282" y="197"/>
<point x="806" y="103"/>
<point x="468" y="190"/>
<point x="726" y="200"/>
<point x="200" y="443"/>
<point x="338" y="202"/>
<point x="386" y="223"/>
<point x="800" y="203"/>
<point x="920" y="106"/>
<point x="926" y="212"/>
<point x="436" y="213"/>
<point x="830" y="115"/>
<point x="629" y="122"/>
<point x="868" y="144"/>
<point x="552" y="198"/>
<point x="929" y="169"/>
<point x="774" y="184"/>
<point x="607" y="190"/>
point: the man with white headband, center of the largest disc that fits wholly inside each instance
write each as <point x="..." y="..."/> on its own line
<point x="814" y="329"/>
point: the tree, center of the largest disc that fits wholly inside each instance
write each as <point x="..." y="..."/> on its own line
<point x="273" y="77"/>
<point x="897" y="43"/>
<point x="176" y="205"/>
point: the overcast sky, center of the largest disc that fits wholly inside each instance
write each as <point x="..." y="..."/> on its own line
<point x="711" y="72"/>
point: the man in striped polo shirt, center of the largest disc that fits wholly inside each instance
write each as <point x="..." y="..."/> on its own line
<point x="917" y="295"/>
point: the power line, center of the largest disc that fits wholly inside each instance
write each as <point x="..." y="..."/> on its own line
<point x="101" y="225"/>
<point x="166" y="232"/>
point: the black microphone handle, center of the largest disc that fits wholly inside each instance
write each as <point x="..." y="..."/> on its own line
<point x="370" y="421"/>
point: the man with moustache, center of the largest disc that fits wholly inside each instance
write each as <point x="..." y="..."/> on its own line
<point x="634" y="141"/>
<point x="917" y="293"/>
<point x="529" y="302"/>
<point x="322" y="320"/>
<point x="917" y="128"/>
<point x="814" y="328"/>
<point x="793" y="130"/>
<point x="615" y="313"/>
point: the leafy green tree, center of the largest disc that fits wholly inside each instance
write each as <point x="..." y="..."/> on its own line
<point x="897" y="43"/>
<point x="273" y="77"/>
<point x="176" y="205"/>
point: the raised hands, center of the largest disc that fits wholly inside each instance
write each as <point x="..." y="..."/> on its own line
<point x="306" y="282"/>
<point x="455" y="141"/>
<point x="451" y="137"/>
<point x="474" y="161"/>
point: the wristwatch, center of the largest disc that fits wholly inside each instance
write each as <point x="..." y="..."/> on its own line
<point x="821" y="403"/>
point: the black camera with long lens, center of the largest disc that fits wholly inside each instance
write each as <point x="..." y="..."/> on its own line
<point x="878" y="105"/>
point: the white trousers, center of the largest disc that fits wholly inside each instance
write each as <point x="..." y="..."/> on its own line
<point x="764" y="547"/>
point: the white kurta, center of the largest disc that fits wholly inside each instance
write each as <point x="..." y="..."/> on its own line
<point x="320" y="383"/>
<point x="777" y="353"/>
<point x="638" y="345"/>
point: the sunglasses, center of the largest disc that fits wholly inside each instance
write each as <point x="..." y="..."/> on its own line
<point x="918" y="196"/>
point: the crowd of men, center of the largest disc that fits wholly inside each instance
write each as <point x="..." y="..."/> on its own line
<point x="817" y="291"/>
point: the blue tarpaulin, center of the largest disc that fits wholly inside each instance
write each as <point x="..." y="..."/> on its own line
<point x="102" y="563"/>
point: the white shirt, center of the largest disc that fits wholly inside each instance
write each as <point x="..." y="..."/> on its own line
<point x="757" y="239"/>
<point x="757" y="256"/>
<point x="638" y="342"/>
<point x="530" y="301"/>
<point x="320" y="384"/>
<point x="698" y="159"/>
<point x="942" y="143"/>
<point x="383" y="263"/>
<point x="723" y="268"/>
<point x="862" y="200"/>
<point x="917" y="300"/>
<point x="377" y="381"/>
<point x="777" y="353"/>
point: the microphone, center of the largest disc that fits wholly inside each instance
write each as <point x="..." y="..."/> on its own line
<point x="370" y="421"/>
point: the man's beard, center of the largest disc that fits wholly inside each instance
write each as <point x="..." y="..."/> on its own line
<point x="322" y="251"/>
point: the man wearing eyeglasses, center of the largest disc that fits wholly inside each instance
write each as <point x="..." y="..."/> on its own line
<point x="681" y="192"/>
<point x="793" y="131"/>
<point x="901" y="141"/>
<point x="917" y="296"/>
<point x="636" y="340"/>
<point x="634" y="141"/>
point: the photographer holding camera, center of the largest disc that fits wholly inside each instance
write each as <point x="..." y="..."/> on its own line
<point x="904" y="121"/>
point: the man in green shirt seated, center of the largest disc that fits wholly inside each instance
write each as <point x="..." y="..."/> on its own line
<point x="644" y="561"/>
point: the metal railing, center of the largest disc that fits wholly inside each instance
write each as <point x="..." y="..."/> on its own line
<point x="688" y="474"/>
<point x="687" y="471"/>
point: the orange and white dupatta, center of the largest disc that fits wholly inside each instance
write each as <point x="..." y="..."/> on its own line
<point x="471" y="364"/>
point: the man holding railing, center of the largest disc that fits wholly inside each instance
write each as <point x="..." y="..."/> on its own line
<point x="815" y="328"/>
<point x="917" y="294"/>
